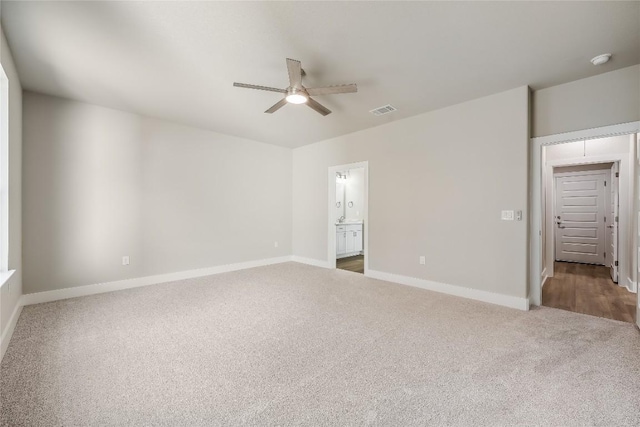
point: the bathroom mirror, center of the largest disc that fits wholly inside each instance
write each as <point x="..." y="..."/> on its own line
<point x="349" y="195"/>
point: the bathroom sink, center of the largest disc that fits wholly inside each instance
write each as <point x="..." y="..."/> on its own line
<point x="349" y="222"/>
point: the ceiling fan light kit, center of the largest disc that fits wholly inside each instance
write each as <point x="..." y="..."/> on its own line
<point x="296" y="93"/>
<point x="296" y="96"/>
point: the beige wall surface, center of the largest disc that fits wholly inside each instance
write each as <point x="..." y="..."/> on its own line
<point x="210" y="199"/>
<point x="11" y="293"/>
<point x="100" y="184"/>
<point x="451" y="171"/>
<point x="602" y="100"/>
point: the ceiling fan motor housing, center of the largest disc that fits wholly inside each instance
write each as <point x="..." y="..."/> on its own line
<point x="297" y="91"/>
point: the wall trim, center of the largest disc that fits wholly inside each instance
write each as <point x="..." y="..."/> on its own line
<point x="349" y="254"/>
<point x="543" y="278"/>
<point x="631" y="285"/>
<point x="459" y="291"/>
<point x="5" y="276"/>
<point x="599" y="132"/>
<point x="8" y="330"/>
<point x="99" y="288"/>
<point x="310" y="261"/>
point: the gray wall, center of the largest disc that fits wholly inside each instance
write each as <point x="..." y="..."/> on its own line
<point x="100" y="184"/>
<point x="452" y="171"/>
<point x="602" y="100"/>
<point x="11" y="293"/>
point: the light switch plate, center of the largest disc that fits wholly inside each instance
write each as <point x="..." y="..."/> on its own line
<point x="507" y="215"/>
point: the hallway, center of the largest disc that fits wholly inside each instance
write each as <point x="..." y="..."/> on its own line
<point x="588" y="289"/>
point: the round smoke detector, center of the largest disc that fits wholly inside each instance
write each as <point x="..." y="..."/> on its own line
<point x="601" y="59"/>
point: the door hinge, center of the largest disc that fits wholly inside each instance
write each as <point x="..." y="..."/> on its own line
<point x="617" y="174"/>
<point x="616" y="219"/>
<point x="615" y="263"/>
<point x="605" y="183"/>
<point x="605" y="219"/>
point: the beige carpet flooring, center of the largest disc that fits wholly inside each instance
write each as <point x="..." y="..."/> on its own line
<point x="292" y="344"/>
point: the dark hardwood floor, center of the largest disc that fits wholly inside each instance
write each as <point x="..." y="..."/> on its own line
<point x="352" y="263"/>
<point x="588" y="289"/>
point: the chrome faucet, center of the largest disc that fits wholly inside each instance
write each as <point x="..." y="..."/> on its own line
<point x="341" y="219"/>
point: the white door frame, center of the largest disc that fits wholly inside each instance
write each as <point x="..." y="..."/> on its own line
<point x="613" y="210"/>
<point x="636" y="218"/>
<point x="536" y="275"/>
<point x="331" y="209"/>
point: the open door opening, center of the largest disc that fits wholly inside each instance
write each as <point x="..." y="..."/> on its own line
<point x="348" y="217"/>
<point x="588" y="211"/>
<point x="350" y="220"/>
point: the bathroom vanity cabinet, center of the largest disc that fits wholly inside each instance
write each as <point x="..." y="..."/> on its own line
<point x="349" y="240"/>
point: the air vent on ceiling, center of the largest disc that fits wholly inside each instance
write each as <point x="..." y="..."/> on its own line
<point x="385" y="109"/>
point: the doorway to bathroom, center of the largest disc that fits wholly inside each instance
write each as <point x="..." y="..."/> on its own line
<point x="348" y="217"/>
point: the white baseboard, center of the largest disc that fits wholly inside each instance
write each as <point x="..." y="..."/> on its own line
<point x="8" y="330"/>
<point x="631" y="285"/>
<point x="543" y="278"/>
<point x="459" y="291"/>
<point x="99" y="288"/>
<point x="350" y="254"/>
<point x="310" y="261"/>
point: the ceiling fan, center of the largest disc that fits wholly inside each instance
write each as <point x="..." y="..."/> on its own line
<point x="298" y="94"/>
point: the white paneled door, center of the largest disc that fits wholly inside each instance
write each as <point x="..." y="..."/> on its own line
<point x="580" y="217"/>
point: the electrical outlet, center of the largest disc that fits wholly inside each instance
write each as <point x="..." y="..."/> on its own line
<point x="125" y="260"/>
<point x="275" y="244"/>
<point x="423" y="260"/>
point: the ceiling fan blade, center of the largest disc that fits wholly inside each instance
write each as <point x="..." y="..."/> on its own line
<point x="331" y="90"/>
<point x="318" y="107"/>
<point x="267" y="88"/>
<point x="295" y="73"/>
<point x="277" y="106"/>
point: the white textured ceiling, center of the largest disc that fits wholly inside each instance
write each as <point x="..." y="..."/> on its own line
<point x="178" y="60"/>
